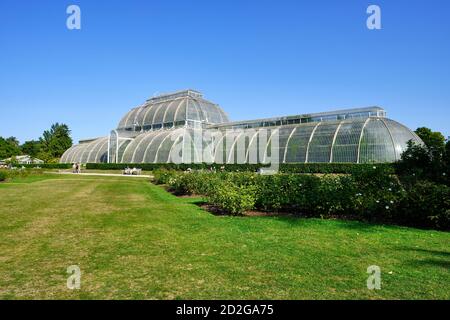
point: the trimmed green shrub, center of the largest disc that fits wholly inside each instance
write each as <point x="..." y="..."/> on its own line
<point x="177" y="185"/>
<point x="330" y="168"/>
<point x="335" y="196"/>
<point x="425" y="162"/>
<point x="232" y="198"/>
<point x="163" y="176"/>
<point x="378" y="194"/>
<point x="338" y="168"/>
<point x="284" y="192"/>
<point x="186" y="183"/>
<point x="201" y="183"/>
<point x="426" y="204"/>
<point x="2" y="175"/>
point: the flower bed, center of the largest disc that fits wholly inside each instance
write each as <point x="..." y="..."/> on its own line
<point x="374" y="194"/>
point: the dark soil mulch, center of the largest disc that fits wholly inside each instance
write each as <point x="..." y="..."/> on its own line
<point x="218" y="212"/>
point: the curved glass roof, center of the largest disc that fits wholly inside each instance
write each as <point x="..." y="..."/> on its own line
<point x="162" y="147"/>
<point x="170" y="109"/>
<point x="93" y="151"/>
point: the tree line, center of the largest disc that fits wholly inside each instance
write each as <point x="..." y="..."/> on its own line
<point x="430" y="161"/>
<point x="49" y="147"/>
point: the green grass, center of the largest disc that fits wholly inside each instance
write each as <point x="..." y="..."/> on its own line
<point x="134" y="240"/>
<point x="100" y="171"/>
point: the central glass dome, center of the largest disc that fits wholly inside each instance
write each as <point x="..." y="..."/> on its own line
<point x="173" y="110"/>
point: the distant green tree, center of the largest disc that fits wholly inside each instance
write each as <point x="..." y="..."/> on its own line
<point x="429" y="161"/>
<point x="434" y="140"/>
<point x="56" y="141"/>
<point x="31" y="148"/>
<point x="447" y="158"/>
<point x="416" y="156"/>
<point x="9" y="147"/>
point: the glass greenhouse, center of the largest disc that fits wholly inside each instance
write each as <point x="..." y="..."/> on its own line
<point x="183" y="127"/>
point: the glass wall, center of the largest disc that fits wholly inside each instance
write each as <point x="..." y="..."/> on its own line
<point x="90" y="152"/>
<point x="356" y="140"/>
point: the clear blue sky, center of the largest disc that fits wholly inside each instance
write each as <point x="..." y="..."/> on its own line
<point x="254" y="58"/>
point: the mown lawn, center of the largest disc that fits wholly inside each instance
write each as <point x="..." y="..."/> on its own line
<point x="133" y="240"/>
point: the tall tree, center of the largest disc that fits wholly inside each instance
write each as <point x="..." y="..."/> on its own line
<point x="56" y="141"/>
<point x="447" y="158"/>
<point x="31" y="148"/>
<point x="429" y="161"/>
<point x="434" y="140"/>
<point x="9" y="147"/>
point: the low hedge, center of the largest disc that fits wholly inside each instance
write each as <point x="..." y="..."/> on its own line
<point x="427" y="204"/>
<point x="3" y="175"/>
<point x="374" y="194"/>
<point x="176" y="167"/>
<point x="338" y="168"/>
<point x="45" y="165"/>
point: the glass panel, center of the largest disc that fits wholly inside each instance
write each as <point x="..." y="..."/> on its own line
<point x="192" y="110"/>
<point x="283" y="136"/>
<point x="68" y="154"/>
<point x="139" y="118"/>
<point x="401" y="136"/>
<point x="296" y="149"/>
<point x="152" y="147"/>
<point x="123" y="121"/>
<point x="113" y="145"/>
<point x="165" y="146"/>
<point x="88" y="150"/>
<point x="123" y="144"/>
<point x="180" y="113"/>
<point x="102" y="152"/>
<point x="347" y="140"/>
<point x="93" y="149"/>
<point x="142" y="147"/>
<point x="78" y="153"/>
<point x="320" y="146"/>
<point x="132" y="118"/>
<point x="376" y="144"/>
<point x="148" y="114"/>
<point x="132" y="147"/>
<point x="241" y="147"/>
<point x="169" y="115"/>
<point x="159" y="114"/>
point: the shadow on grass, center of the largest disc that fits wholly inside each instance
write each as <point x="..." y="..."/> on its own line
<point x="439" y="253"/>
<point x="198" y="201"/>
<point x="341" y="223"/>
<point x="431" y="263"/>
<point x="295" y="219"/>
<point x="436" y="258"/>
